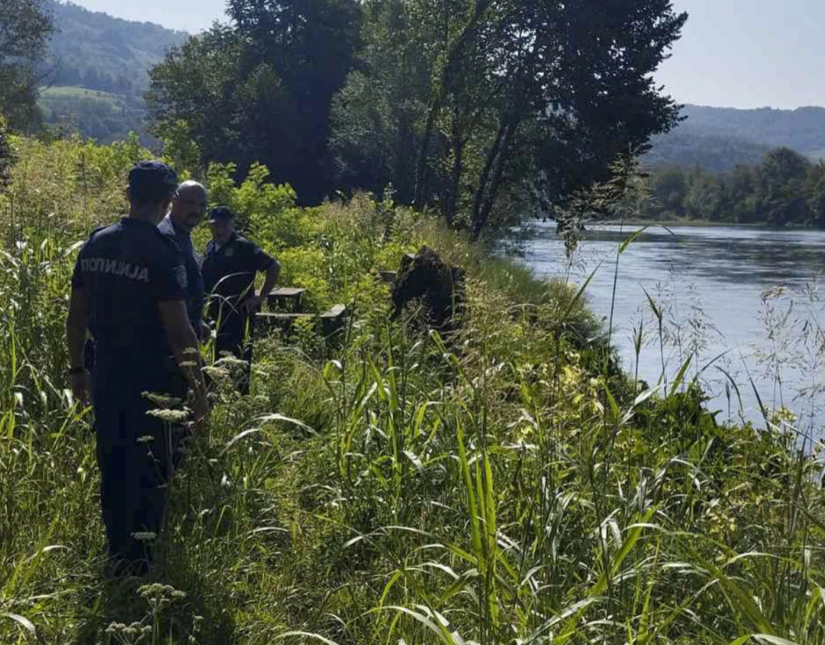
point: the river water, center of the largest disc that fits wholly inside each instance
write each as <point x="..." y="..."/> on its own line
<point x="742" y="302"/>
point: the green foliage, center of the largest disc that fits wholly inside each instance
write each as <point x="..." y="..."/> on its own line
<point x="5" y="153"/>
<point x="495" y="486"/>
<point x="687" y="146"/>
<point x="103" y="117"/>
<point x="98" y="52"/>
<point x="449" y="104"/>
<point x="785" y="189"/>
<point x="181" y="152"/>
<point x="260" y="90"/>
<point x="802" y="129"/>
<point x="66" y="187"/>
<point x="460" y="93"/>
<point x="25" y="28"/>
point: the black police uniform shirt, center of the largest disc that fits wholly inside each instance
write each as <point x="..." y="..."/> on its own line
<point x="194" y="279"/>
<point x="229" y="270"/>
<point x="125" y="271"/>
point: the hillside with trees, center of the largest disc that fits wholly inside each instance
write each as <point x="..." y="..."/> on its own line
<point x="687" y="147"/>
<point x="740" y="167"/>
<point x="96" y="72"/>
<point x="802" y="129"/>
<point x="719" y="139"/>
<point x="95" y="51"/>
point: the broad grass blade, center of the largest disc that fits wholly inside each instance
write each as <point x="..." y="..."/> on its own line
<point x="632" y="239"/>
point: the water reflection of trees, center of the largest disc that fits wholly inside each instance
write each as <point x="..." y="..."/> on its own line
<point x="760" y="260"/>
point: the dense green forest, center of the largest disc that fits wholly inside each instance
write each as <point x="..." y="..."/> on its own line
<point x="686" y="147"/>
<point x="98" y="52"/>
<point x="802" y="129"/>
<point x="97" y="71"/>
<point x="468" y="108"/>
<point x="784" y="189"/>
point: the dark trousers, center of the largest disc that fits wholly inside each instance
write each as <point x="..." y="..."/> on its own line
<point x="234" y="337"/>
<point x="137" y="455"/>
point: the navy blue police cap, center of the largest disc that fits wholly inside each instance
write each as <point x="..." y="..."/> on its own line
<point x="153" y="181"/>
<point x="221" y="214"/>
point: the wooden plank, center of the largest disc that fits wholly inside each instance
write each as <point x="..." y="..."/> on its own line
<point x="268" y="322"/>
<point x="286" y="298"/>
<point x="336" y="312"/>
<point x="288" y="292"/>
<point x="332" y="321"/>
<point x="283" y="316"/>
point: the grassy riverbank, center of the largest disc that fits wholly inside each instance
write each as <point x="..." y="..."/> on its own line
<point x="504" y="485"/>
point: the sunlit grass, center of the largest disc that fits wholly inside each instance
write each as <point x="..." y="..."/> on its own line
<point x="504" y="484"/>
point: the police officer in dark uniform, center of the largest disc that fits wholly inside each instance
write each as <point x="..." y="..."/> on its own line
<point x="129" y="293"/>
<point x="229" y="267"/>
<point x="188" y="208"/>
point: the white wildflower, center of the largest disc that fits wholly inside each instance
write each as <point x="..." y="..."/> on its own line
<point x="172" y="416"/>
<point x="162" y="401"/>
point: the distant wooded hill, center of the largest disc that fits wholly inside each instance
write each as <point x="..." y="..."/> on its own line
<point x="98" y="71"/>
<point x="718" y="139"/>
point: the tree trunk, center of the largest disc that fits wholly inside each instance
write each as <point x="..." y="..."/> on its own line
<point x="421" y="166"/>
<point x="451" y="203"/>
<point x="439" y="94"/>
<point x="478" y="200"/>
<point x="492" y="193"/>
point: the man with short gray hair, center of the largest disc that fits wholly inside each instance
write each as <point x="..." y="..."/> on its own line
<point x="188" y="208"/>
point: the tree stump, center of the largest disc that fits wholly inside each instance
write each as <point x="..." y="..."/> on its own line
<point x="439" y="287"/>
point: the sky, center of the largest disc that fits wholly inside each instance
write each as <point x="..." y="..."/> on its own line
<point x="733" y="53"/>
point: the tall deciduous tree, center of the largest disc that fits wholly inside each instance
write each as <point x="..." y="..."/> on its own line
<point x="260" y="89"/>
<point x="195" y="89"/>
<point x="25" y="29"/>
<point x="782" y="178"/>
<point x="521" y="97"/>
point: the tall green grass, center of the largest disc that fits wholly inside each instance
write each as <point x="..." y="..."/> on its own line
<point x="504" y="484"/>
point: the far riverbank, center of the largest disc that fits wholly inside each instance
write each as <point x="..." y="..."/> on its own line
<point x="696" y="223"/>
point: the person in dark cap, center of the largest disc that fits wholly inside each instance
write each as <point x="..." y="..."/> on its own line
<point x="188" y="209"/>
<point x="230" y="265"/>
<point x="129" y="293"/>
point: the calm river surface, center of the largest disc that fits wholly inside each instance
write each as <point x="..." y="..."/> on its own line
<point x="711" y="283"/>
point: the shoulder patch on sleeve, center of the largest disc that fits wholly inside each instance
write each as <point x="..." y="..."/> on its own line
<point x="180" y="276"/>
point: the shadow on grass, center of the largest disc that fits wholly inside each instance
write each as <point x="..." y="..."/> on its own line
<point x="177" y="602"/>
